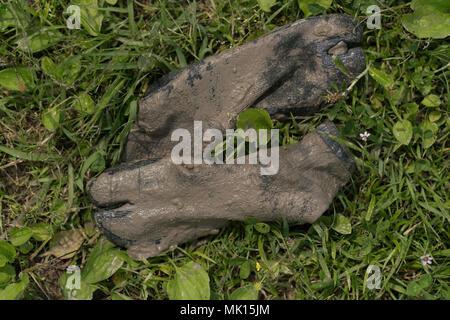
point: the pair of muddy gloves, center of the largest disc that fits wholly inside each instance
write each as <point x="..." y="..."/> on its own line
<point x="149" y="204"/>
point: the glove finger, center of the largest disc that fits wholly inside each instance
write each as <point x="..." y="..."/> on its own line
<point x="147" y="229"/>
<point x="218" y="88"/>
<point x="123" y="183"/>
<point x="303" y="91"/>
<point x="310" y="174"/>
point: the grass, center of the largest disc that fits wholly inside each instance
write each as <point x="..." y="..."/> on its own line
<point x="50" y="145"/>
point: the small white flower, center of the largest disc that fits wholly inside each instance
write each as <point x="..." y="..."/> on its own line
<point x="364" y="135"/>
<point x="426" y="259"/>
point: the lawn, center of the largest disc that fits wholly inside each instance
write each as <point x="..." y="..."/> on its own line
<point x="68" y="98"/>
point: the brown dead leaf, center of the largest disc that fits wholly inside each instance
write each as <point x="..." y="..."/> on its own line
<point x="65" y="244"/>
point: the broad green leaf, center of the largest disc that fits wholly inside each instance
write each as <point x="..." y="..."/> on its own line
<point x="265" y="5"/>
<point x="85" y="291"/>
<point x="397" y="96"/>
<point x="6" y="17"/>
<point x="59" y="210"/>
<point x="7" y="274"/>
<point x="41" y="232"/>
<point x="244" y="272"/>
<point x="40" y="40"/>
<point x="102" y="245"/>
<point x="255" y="119"/>
<point x="65" y="72"/>
<point x="84" y="103"/>
<point x="190" y="282"/>
<point x="428" y="5"/>
<point x="18" y="236"/>
<point x="48" y="66"/>
<point x="68" y="70"/>
<point x="51" y="118"/>
<point x="307" y="5"/>
<point x="102" y="266"/>
<point x="111" y="2"/>
<point x="413" y="289"/>
<point x="14" y="290"/>
<point x="445" y="292"/>
<point x="245" y="293"/>
<point x="126" y="258"/>
<point x="8" y="251"/>
<point x="381" y="77"/>
<point x="262" y="227"/>
<point x="429" y="130"/>
<point x="342" y="225"/>
<point x="3" y="260"/>
<point x="91" y="17"/>
<point x="403" y="131"/>
<point x="18" y="79"/>
<point x="431" y="19"/>
<point x="425" y="281"/>
<point x="434" y="116"/>
<point x="26" y="247"/>
<point x="431" y="100"/>
<point x="428" y="296"/>
<point x="14" y="14"/>
<point x="411" y="109"/>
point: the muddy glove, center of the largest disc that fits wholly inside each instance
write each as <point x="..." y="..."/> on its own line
<point x="159" y="204"/>
<point x="288" y="70"/>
